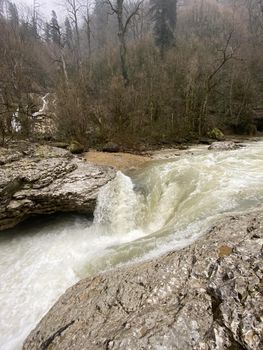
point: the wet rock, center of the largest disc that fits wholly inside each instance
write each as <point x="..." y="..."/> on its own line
<point x="223" y="146"/>
<point x="188" y="299"/>
<point x="111" y="147"/>
<point x="75" y="147"/>
<point x="42" y="179"/>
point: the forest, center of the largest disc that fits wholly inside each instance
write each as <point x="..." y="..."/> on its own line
<point x="131" y="71"/>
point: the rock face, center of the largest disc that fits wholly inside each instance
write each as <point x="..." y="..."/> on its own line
<point x="223" y="146"/>
<point x="207" y="296"/>
<point x="38" y="179"/>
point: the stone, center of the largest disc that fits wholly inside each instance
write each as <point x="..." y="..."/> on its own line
<point x="224" y="146"/>
<point x="75" y="147"/>
<point x="185" y="300"/>
<point x="216" y="134"/>
<point x="41" y="179"/>
<point x="111" y="147"/>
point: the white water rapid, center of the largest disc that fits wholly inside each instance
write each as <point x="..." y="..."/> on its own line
<point x="165" y="205"/>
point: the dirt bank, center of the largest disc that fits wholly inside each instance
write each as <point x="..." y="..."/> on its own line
<point x="120" y="161"/>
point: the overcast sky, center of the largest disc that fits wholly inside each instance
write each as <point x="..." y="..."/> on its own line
<point x="45" y="6"/>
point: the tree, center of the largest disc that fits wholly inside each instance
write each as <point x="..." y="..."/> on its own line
<point x="73" y="8"/>
<point x="55" y="30"/>
<point x="87" y="19"/>
<point x="47" y="34"/>
<point x="123" y="23"/>
<point x="13" y="14"/>
<point x="68" y="33"/>
<point x="164" y="16"/>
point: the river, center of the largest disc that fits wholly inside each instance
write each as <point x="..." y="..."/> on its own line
<point x="165" y="205"/>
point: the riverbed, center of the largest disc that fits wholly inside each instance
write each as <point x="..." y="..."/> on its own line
<point x="165" y="204"/>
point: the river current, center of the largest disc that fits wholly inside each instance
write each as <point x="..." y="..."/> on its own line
<point x="165" y="205"/>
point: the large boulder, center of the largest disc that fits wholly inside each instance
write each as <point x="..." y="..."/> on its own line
<point x="224" y="146"/>
<point x="37" y="179"/>
<point x="207" y="296"/>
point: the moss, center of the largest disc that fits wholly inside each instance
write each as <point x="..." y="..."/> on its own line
<point x="216" y="134"/>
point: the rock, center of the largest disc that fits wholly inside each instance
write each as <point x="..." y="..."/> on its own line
<point x="224" y="146"/>
<point x="43" y="179"/>
<point x="183" y="147"/>
<point x="75" y="147"/>
<point x="111" y="147"/>
<point x="216" y="134"/>
<point x="187" y="299"/>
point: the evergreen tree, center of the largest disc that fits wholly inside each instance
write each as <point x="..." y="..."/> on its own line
<point x="13" y="14"/>
<point x="55" y="30"/>
<point x="47" y="34"/>
<point x="68" y="33"/>
<point x="164" y="18"/>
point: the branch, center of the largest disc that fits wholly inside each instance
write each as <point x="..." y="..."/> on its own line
<point x="134" y="12"/>
<point x="113" y="9"/>
<point x="226" y="58"/>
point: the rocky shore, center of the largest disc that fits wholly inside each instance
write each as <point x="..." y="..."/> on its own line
<point x="40" y="179"/>
<point x="208" y="296"/>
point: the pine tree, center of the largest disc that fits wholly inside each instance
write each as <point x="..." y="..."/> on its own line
<point x="47" y="34"/>
<point x="13" y="14"/>
<point x="164" y="18"/>
<point x="55" y="30"/>
<point x="68" y="33"/>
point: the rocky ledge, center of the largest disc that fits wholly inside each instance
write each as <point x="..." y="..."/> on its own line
<point x="208" y="296"/>
<point x="37" y="179"/>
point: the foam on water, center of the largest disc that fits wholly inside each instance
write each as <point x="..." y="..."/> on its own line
<point x="166" y="205"/>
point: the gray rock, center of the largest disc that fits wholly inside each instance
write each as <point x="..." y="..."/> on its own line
<point x="224" y="146"/>
<point x="111" y="147"/>
<point x="207" y="296"/>
<point x="43" y="179"/>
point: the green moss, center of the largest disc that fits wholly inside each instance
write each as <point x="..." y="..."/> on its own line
<point x="216" y="134"/>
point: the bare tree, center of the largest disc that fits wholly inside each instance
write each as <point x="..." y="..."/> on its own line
<point x="123" y="22"/>
<point x="227" y="53"/>
<point x="73" y="8"/>
<point x="87" y="19"/>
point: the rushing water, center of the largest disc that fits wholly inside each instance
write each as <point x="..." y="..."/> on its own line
<point x="165" y="205"/>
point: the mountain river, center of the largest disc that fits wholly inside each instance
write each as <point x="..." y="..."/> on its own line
<point x="165" y="205"/>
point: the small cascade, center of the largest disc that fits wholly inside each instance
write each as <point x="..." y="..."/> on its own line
<point x="119" y="207"/>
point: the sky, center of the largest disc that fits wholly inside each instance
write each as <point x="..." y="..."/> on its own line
<point x="45" y="6"/>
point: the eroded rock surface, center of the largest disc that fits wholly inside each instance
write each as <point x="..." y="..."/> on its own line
<point x="224" y="146"/>
<point x="208" y="296"/>
<point x="37" y="179"/>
